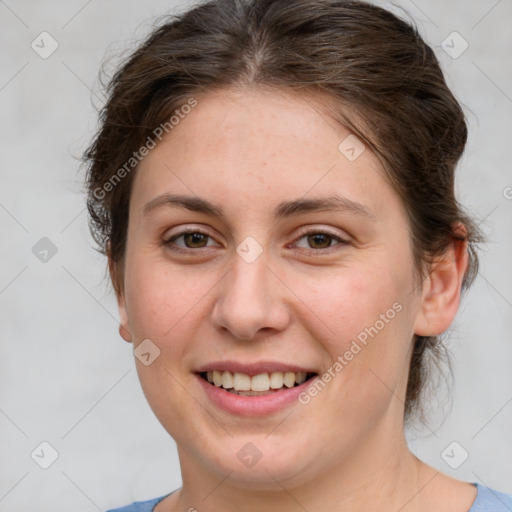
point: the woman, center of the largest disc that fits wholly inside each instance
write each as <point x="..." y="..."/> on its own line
<point x="273" y="185"/>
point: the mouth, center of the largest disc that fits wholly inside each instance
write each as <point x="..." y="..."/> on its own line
<point x="266" y="383"/>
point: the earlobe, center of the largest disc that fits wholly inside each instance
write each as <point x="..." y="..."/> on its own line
<point x="442" y="290"/>
<point x="123" y="323"/>
<point x="115" y="277"/>
<point x="124" y="330"/>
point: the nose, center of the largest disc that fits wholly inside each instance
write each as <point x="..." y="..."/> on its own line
<point x="251" y="301"/>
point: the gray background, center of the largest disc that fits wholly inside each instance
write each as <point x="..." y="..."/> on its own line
<point x="68" y="379"/>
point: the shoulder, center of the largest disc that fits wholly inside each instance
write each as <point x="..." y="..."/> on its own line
<point x="491" y="500"/>
<point x="139" y="506"/>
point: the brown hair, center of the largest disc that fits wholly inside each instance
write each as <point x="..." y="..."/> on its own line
<point x="360" y="56"/>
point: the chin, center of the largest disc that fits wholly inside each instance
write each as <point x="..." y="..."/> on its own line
<point x="261" y="464"/>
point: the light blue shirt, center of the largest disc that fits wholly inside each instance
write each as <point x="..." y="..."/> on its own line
<point x="487" y="500"/>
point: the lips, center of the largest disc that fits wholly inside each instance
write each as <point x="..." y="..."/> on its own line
<point x="220" y="380"/>
<point x="252" y="369"/>
<point x="252" y="403"/>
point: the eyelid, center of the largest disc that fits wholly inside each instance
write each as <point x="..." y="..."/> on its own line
<point x="184" y="231"/>
<point x="306" y="230"/>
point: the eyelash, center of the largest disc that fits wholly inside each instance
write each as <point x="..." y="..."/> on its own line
<point x="306" y="232"/>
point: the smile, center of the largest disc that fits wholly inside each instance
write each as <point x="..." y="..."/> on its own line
<point x="256" y="385"/>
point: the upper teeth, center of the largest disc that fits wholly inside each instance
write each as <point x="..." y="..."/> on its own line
<point x="261" y="382"/>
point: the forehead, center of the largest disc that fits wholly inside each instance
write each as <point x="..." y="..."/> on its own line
<point x="273" y="122"/>
<point x="249" y="146"/>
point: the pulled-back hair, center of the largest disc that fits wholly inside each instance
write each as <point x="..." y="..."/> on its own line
<point x="361" y="58"/>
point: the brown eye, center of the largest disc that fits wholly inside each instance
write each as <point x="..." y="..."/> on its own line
<point x="189" y="239"/>
<point x="319" y="240"/>
<point x="195" y="240"/>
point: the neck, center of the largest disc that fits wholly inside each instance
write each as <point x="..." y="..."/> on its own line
<point x="381" y="474"/>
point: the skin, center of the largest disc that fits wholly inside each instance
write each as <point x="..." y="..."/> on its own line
<point x="248" y="150"/>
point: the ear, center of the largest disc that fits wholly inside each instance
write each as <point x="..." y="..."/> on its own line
<point x="442" y="288"/>
<point x="116" y="273"/>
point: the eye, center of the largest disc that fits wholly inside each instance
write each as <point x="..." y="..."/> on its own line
<point x="192" y="238"/>
<point x="318" y="240"/>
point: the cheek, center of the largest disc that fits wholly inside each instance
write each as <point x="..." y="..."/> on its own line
<point x="161" y="300"/>
<point x="351" y="300"/>
<point x="165" y="306"/>
<point x="363" y="321"/>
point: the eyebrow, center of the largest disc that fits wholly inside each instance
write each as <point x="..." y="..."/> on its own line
<point x="283" y="210"/>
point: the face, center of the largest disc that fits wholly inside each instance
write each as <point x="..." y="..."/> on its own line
<point x="282" y="255"/>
